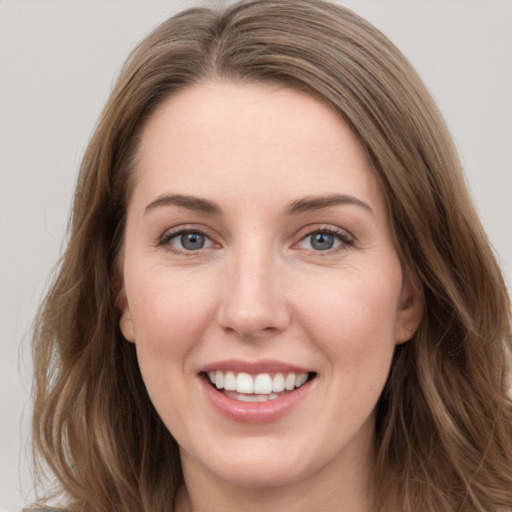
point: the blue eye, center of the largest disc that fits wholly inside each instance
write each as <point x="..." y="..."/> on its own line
<point x="192" y="241"/>
<point x="189" y="241"/>
<point x="324" y="240"/>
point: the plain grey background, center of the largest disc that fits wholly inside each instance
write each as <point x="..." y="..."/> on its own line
<point x="58" y="60"/>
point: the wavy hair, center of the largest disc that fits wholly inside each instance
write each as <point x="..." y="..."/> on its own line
<point x="443" y="437"/>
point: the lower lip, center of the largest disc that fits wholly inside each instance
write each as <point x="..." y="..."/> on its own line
<point x="254" y="412"/>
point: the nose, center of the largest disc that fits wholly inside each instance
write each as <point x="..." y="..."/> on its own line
<point x="253" y="300"/>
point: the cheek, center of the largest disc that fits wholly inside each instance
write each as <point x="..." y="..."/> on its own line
<point x="352" y="319"/>
<point x="169" y="311"/>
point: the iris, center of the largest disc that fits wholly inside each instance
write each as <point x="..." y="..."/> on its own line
<point x="322" y="241"/>
<point x="192" y="241"/>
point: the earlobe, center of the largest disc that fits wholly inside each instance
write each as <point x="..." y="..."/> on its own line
<point x="125" y="317"/>
<point x="410" y="310"/>
<point x="125" y="320"/>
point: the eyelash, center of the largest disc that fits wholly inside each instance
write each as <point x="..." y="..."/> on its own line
<point x="345" y="240"/>
<point x="170" y="235"/>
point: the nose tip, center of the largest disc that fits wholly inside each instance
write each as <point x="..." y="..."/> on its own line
<point x="253" y="303"/>
<point x="253" y="322"/>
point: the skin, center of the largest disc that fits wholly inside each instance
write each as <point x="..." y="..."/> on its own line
<point x="259" y="289"/>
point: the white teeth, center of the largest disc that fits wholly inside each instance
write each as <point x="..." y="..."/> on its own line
<point x="219" y="380"/>
<point x="278" y="383"/>
<point x="289" y="382"/>
<point x="252" y="398"/>
<point x="244" y="383"/>
<point x="261" y="385"/>
<point x="300" y="379"/>
<point x="248" y="398"/>
<point x="230" y="381"/>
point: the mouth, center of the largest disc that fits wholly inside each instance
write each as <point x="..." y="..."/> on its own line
<point x="260" y="387"/>
<point x="257" y="392"/>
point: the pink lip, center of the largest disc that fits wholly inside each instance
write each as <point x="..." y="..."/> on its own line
<point x="252" y="367"/>
<point x="254" y="412"/>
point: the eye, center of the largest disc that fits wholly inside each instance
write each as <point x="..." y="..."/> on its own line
<point x="324" y="240"/>
<point x="187" y="241"/>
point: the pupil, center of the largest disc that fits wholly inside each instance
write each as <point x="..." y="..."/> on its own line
<point x="322" y="241"/>
<point x="192" y="241"/>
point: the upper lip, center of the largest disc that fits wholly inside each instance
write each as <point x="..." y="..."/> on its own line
<point x="253" y="367"/>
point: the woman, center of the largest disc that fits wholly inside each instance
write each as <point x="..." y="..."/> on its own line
<point x="276" y="291"/>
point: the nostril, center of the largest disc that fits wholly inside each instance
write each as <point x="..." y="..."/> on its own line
<point x="253" y="310"/>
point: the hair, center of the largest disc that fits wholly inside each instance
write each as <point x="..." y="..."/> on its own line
<point x="443" y="436"/>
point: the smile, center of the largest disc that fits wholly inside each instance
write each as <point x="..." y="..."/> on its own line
<point x="261" y="387"/>
<point x="255" y="393"/>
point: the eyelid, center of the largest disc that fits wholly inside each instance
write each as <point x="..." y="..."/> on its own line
<point x="182" y="229"/>
<point x="346" y="238"/>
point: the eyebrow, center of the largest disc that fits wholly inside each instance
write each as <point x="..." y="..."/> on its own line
<point x="320" y="202"/>
<point x="189" y="202"/>
<point x="299" y="206"/>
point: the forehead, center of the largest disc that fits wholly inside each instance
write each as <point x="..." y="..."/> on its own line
<point x="228" y="139"/>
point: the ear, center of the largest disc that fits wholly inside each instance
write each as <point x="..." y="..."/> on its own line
<point x="410" y="309"/>
<point x="121" y="303"/>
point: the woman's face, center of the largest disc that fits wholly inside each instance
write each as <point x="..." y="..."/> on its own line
<point x="259" y="254"/>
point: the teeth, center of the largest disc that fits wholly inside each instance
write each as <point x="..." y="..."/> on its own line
<point x="219" y="380"/>
<point x="262" y="385"/>
<point x="230" y="381"/>
<point x="278" y="383"/>
<point x="300" y="379"/>
<point x="244" y="383"/>
<point x="252" y="398"/>
<point x="289" y="382"/>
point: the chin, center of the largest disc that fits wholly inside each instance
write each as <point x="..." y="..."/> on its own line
<point x="261" y="475"/>
<point x="260" y="462"/>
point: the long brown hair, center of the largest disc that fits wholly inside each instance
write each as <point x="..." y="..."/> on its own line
<point x="444" y="423"/>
